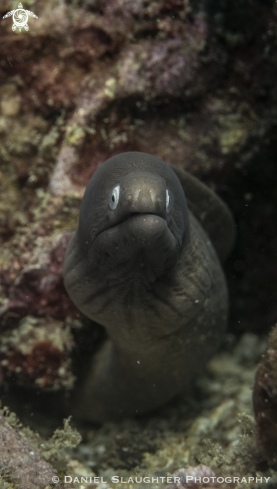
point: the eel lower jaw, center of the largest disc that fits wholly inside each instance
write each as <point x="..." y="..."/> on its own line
<point x="116" y="250"/>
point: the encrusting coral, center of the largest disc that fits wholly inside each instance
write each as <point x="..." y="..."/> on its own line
<point x="24" y="455"/>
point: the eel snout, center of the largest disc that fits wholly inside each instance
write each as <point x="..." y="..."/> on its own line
<point x="141" y="236"/>
<point x="143" y="192"/>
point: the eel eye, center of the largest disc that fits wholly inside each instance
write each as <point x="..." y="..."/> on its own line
<point x="169" y="200"/>
<point x="114" y="197"/>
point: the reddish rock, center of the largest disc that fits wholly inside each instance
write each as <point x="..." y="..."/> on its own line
<point x="265" y="402"/>
<point x="38" y="289"/>
<point x="22" y="463"/>
<point x="36" y="341"/>
<point x="37" y="354"/>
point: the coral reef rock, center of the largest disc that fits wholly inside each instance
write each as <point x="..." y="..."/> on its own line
<point x="265" y="402"/>
<point x="21" y="463"/>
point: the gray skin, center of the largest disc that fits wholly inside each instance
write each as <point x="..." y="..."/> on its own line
<point x="149" y="271"/>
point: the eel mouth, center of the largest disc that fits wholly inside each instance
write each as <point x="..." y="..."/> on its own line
<point x="142" y="214"/>
<point x="140" y="225"/>
<point x="143" y="235"/>
<point x="134" y="214"/>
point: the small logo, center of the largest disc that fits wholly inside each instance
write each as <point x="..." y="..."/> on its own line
<point x="20" y="18"/>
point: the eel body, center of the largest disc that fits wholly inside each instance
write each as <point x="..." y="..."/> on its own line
<point x="145" y="263"/>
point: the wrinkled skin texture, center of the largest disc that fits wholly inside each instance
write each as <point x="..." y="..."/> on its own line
<point x="149" y="273"/>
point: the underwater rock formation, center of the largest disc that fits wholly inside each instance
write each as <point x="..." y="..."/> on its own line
<point x="39" y="289"/>
<point x="37" y="354"/>
<point x="20" y="462"/>
<point x="28" y="461"/>
<point x="35" y="343"/>
<point x="265" y="402"/>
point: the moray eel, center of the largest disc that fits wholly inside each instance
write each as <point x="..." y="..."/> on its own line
<point x="145" y="263"/>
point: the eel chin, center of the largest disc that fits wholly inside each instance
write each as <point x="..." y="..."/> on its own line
<point x="142" y="240"/>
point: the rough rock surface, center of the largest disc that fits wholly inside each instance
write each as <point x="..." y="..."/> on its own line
<point x="265" y="401"/>
<point x="28" y="461"/>
<point x="20" y="463"/>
